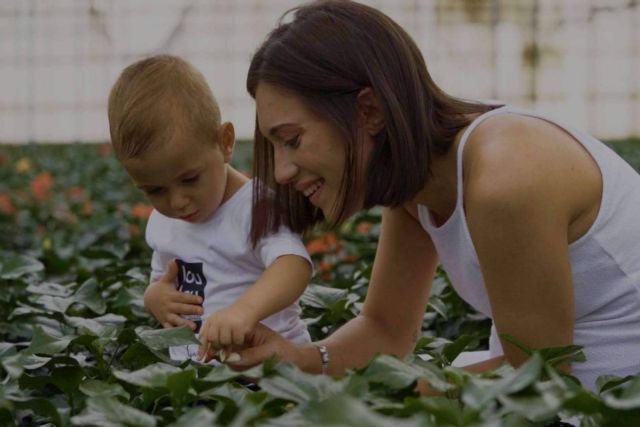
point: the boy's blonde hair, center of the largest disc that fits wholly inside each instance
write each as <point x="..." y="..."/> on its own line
<point x="157" y="97"/>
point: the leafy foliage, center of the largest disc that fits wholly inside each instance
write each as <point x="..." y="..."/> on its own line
<point x="78" y="349"/>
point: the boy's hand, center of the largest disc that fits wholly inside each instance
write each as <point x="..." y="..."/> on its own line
<point x="167" y="304"/>
<point x="225" y="329"/>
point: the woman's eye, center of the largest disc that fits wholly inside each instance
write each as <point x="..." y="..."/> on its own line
<point x="293" y="142"/>
<point x="191" y="179"/>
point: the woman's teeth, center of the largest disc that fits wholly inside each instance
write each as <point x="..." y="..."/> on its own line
<point x="312" y="188"/>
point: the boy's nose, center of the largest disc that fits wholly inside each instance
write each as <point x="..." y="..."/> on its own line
<point x="178" y="200"/>
<point x="285" y="169"/>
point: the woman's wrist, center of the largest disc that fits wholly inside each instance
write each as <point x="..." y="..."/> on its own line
<point x="309" y="359"/>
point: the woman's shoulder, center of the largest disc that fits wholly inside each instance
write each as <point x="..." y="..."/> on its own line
<point x="511" y="156"/>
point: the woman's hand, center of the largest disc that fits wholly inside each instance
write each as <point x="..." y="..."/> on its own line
<point x="261" y="344"/>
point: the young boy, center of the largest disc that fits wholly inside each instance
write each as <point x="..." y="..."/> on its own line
<point x="166" y="131"/>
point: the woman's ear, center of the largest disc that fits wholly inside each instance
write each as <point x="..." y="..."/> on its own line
<point x="371" y="115"/>
<point x="227" y="138"/>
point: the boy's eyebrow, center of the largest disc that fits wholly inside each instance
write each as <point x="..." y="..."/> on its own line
<point x="189" y="172"/>
<point x="182" y="175"/>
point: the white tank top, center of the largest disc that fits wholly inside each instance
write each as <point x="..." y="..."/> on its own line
<point x="605" y="263"/>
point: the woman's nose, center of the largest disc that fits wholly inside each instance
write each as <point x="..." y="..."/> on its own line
<point x="285" y="169"/>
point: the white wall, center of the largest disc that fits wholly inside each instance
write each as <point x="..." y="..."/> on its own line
<point x="58" y="58"/>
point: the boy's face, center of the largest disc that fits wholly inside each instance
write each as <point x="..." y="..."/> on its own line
<point x="185" y="178"/>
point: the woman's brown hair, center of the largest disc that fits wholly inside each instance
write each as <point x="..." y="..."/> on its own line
<point x="328" y="53"/>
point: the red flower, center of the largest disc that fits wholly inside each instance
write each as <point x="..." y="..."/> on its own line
<point x="41" y="186"/>
<point x="6" y="204"/>
<point x="141" y="210"/>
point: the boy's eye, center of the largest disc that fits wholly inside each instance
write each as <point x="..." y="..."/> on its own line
<point x="154" y="191"/>
<point x="191" y="179"/>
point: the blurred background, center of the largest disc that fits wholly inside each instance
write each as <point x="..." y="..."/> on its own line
<point x="576" y="60"/>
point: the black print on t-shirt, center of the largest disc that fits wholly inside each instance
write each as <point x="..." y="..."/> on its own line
<point x="191" y="279"/>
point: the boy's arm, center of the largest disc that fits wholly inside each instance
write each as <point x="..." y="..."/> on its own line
<point x="279" y="286"/>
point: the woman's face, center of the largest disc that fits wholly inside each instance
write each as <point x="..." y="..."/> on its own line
<point x="308" y="150"/>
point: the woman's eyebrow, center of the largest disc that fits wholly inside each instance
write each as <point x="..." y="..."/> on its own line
<point x="273" y="132"/>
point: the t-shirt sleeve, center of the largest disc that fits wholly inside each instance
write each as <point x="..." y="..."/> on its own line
<point x="157" y="265"/>
<point x="157" y="268"/>
<point x="283" y="242"/>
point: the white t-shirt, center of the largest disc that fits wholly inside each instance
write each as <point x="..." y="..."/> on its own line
<point x="217" y="261"/>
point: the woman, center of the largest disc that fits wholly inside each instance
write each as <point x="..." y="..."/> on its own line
<point x="534" y="222"/>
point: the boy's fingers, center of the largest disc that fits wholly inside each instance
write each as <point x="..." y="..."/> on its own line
<point x="179" y="321"/>
<point x="185" y="309"/>
<point x="186" y="298"/>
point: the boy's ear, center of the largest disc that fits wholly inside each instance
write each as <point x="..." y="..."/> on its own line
<point x="370" y="112"/>
<point x="227" y="137"/>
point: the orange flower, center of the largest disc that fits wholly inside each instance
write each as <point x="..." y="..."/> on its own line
<point x="316" y="246"/>
<point x="104" y="149"/>
<point x="134" y="230"/>
<point x="75" y="192"/>
<point x="6" y="204"/>
<point x="328" y="242"/>
<point x="87" y="208"/>
<point x="41" y="186"/>
<point x="141" y="210"/>
<point x="364" y="227"/>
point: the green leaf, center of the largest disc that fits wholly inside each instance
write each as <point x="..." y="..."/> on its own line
<point x="109" y="412"/>
<point x="152" y="376"/>
<point x="16" y="364"/>
<point x="13" y="266"/>
<point x="481" y="391"/>
<point x="90" y="296"/>
<point x="93" y="388"/>
<point x="197" y="417"/>
<point x="92" y="326"/>
<point x="220" y="373"/>
<point x="446" y="411"/>
<point x="49" y="288"/>
<point x="344" y="410"/>
<point x="608" y="382"/>
<point x="396" y="374"/>
<point x="179" y="384"/>
<point x="322" y="297"/>
<point x="628" y="398"/>
<point x="40" y="406"/>
<point x="292" y="384"/>
<point x="67" y="378"/>
<point x="159" y="339"/>
<point x="43" y="343"/>
<point x="452" y="350"/>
